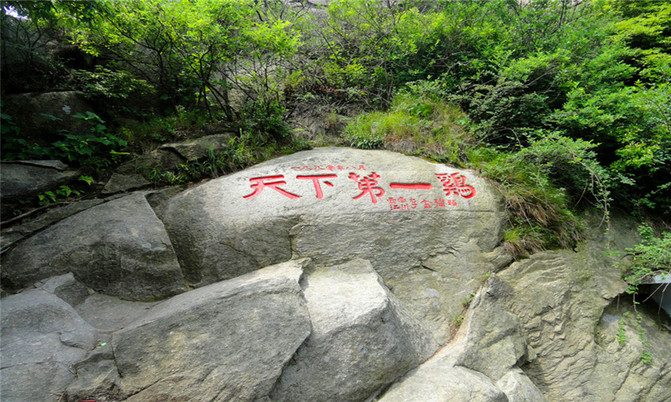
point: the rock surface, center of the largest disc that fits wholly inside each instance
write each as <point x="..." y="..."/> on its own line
<point x="225" y="341"/>
<point x="41" y="337"/>
<point x="361" y="338"/>
<point x="489" y="344"/>
<point x="41" y="115"/>
<point x="336" y="204"/>
<point x="572" y="325"/>
<point x="124" y="182"/>
<point x="384" y="287"/>
<point x="119" y="248"/>
<point x="22" y="180"/>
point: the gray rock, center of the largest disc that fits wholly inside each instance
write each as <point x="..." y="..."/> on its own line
<point x="519" y="388"/>
<point x="30" y="111"/>
<point x="225" y="341"/>
<point x="488" y="344"/>
<point x="96" y="377"/>
<point x="197" y="148"/>
<point x="235" y="224"/>
<point x="20" y="181"/>
<point x="109" y="313"/>
<point x="124" y="182"/>
<point x="361" y="338"/>
<point x="495" y="341"/>
<point x="41" y="337"/>
<point x="159" y="160"/>
<point x="13" y="234"/>
<point x="572" y="325"/>
<point x="67" y="288"/>
<point x="118" y="248"/>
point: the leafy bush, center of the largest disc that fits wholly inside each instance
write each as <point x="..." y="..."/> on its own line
<point x="94" y="149"/>
<point x="651" y="257"/>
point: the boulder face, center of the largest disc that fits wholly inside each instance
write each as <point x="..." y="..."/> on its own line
<point x="331" y="204"/>
<point x="224" y="341"/>
<point x="362" y="339"/>
<point x="417" y="222"/>
<point x="119" y="247"/>
<point x="21" y="180"/>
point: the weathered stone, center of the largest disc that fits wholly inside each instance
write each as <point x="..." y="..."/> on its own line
<point x="41" y="337"/>
<point x="519" y="388"/>
<point x="488" y="344"/>
<point x="109" y="313"/>
<point x="96" y="377"/>
<point x="234" y="224"/>
<point x="20" y="181"/>
<point x="160" y="160"/>
<point x="197" y="148"/>
<point x="577" y="302"/>
<point x="225" y="341"/>
<point x="124" y="182"/>
<point x="495" y="341"/>
<point x="13" y="234"/>
<point x="361" y="338"/>
<point x="34" y="113"/>
<point x="119" y="248"/>
<point x="67" y="288"/>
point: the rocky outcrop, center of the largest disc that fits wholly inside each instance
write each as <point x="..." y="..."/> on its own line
<point x="361" y="338"/>
<point x="43" y="115"/>
<point x="119" y="248"/>
<point x="168" y="157"/>
<point x="379" y="258"/>
<point x="225" y="341"/>
<point x="42" y="336"/>
<point x="419" y="223"/>
<point x="574" y="324"/>
<point x="22" y="180"/>
<point x="486" y="352"/>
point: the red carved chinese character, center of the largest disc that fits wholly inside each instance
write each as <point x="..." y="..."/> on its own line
<point x="452" y="203"/>
<point x="440" y="203"/>
<point x="261" y="184"/>
<point x="413" y="202"/>
<point x="315" y="180"/>
<point x="368" y="185"/>
<point x="427" y="204"/>
<point x="456" y="183"/>
<point x="412" y="186"/>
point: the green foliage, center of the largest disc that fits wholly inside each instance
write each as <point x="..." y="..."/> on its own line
<point x="539" y="212"/>
<point x="95" y="148"/>
<point x="189" y="50"/>
<point x="651" y="257"/>
<point x="621" y="336"/>
<point x="265" y="121"/>
<point x="417" y="123"/>
<point x="110" y="84"/>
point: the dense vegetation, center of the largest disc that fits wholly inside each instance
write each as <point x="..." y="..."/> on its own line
<point x="564" y="104"/>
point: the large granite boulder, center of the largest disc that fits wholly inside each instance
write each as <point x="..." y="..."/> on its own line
<point x="119" y="248"/>
<point x="489" y="346"/>
<point x="225" y="341"/>
<point x="42" y="336"/>
<point x="586" y="334"/>
<point x="421" y="224"/>
<point x="21" y="180"/>
<point x="361" y="340"/>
